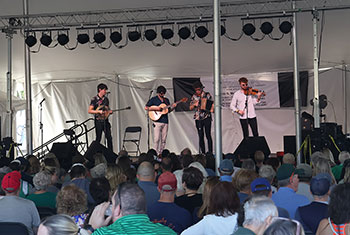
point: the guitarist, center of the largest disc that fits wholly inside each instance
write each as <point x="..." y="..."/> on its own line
<point x="99" y="106"/>
<point x="161" y="125"/>
<point x="202" y="115"/>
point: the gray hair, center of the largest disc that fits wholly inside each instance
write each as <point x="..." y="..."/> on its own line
<point x="267" y="172"/>
<point x="131" y="199"/>
<point x="145" y="169"/>
<point x="288" y="158"/>
<point x="343" y="155"/>
<point x="248" y="164"/>
<point x="258" y="209"/>
<point x="63" y="225"/>
<point x="42" y="180"/>
<point x="283" y="183"/>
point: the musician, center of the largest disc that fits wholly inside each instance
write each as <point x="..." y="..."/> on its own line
<point x="160" y="131"/>
<point x="202" y="115"/>
<point x="99" y="106"/>
<point x="243" y="104"/>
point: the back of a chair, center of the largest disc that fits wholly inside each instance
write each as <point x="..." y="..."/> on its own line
<point x="132" y="133"/>
<point x="46" y="212"/>
<point x="133" y="129"/>
<point x="7" y="228"/>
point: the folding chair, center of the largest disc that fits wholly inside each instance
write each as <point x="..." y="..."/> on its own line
<point x="132" y="134"/>
<point x="13" y="228"/>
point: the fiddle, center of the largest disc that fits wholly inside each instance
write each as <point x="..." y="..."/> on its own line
<point x="251" y="91"/>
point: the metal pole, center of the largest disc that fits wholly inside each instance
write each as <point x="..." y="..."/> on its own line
<point x="316" y="81"/>
<point x="9" y="112"/>
<point x="217" y="84"/>
<point x="28" y="81"/>
<point x="345" y="85"/>
<point x="296" y="87"/>
<point x="119" y="119"/>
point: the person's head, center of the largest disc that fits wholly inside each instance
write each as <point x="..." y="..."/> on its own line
<point x="304" y="172"/>
<point x="124" y="162"/>
<point x="71" y="200"/>
<point x="128" y="199"/>
<point x="274" y="162"/>
<point x="223" y="200"/>
<point x="243" y="82"/>
<point x="161" y="90"/>
<point x="259" y="157"/>
<point x="187" y="160"/>
<point x="34" y="165"/>
<point x="98" y="170"/>
<point x="208" y="187"/>
<point x="77" y="170"/>
<point x="99" y="158"/>
<point x="167" y="183"/>
<point x="323" y="165"/>
<point x="287" y="176"/>
<point x="345" y="174"/>
<point x="102" y="87"/>
<point x="258" y="213"/>
<point x="123" y="152"/>
<point x="192" y="178"/>
<point x="198" y="87"/>
<point x="320" y="185"/>
<point x="145" y="172"/>
<point x="248" y="164"/>
<point x="166" y="164"/>
<point x="226" y="167"/>
<point x="59" y="224"/>
<point x="316" y="156"/>
<point x="329" y="155"/>
<point x="242" y="180"/>
<point x="267" y="172"/>
<point x="53" y="171"/>
<point x="186" y="151"/>
<point x="339" y="204"/>
<point x="42" y="180"/>
<point x="261" y="187"/>
<point x="115" y="176"/>
<point x="100" y="190"/>
<point x="283" y="226"/>
<point x="11" y="183"/>
<point x="288" y="158"/>
<point x="201" y="158"/>
<point x="343" y="155"/>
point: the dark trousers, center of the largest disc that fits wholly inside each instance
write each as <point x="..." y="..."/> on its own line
<point x="204" y="126"/>
<point x="253" y="125"/>
<point x="104" y="126"/>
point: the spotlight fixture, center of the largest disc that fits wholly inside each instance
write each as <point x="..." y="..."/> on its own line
<point x="83" y="38"/>
<point x="99" y="37"/>
<point x="62" y="39"/>
<point x="184" y="32"/>
<point x="202" y="31"/>
<point x="167" y="33"/>
<point x="45" y="39"/>
<point x="223" y="30"/>
<point x="134" y="36"/>
<point x="30" y="40"/>
<point x="115" y="37"/>
<point x="266" y="28"/>
<point x="150" y="34"/>
<point x="248" y="29"/>
<point x="285" y="27"/>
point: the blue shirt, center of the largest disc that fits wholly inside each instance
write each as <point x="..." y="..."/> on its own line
<point x="287" y="198"/>
<point x="155" y="101"/>
<point x="226" y="178"/>
<point x="151" y="192"/>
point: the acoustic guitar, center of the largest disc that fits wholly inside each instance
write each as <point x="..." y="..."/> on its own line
<point x="155" y="115"/>
<point x="107" y="112"/>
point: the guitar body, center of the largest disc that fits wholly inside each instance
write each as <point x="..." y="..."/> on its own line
<point x="155" y="115"/>
<point x="105" y="113"/>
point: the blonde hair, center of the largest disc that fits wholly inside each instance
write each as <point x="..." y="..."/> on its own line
<point x="63" y="225"/>
<point x="115" y="176"/>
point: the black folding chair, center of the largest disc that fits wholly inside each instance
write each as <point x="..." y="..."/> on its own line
<point x="7" y="228"/>
<point x="132" y="134"/>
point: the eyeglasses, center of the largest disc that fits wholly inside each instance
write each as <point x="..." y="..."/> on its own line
<point x="299" y="227"/>
<point x="244" y="84"/>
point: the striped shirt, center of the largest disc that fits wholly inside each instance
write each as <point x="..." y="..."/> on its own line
<point x="134" y="224"/>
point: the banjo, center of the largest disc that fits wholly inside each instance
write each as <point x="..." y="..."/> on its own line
<point x="155" y="115"/>
<point x="107" y="112"/>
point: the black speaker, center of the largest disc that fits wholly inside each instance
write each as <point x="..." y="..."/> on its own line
<point x="250" y="145"/>
<point x="96" y="147"/>
<point x="289" y="144"/>
<point x="64" y="153"/>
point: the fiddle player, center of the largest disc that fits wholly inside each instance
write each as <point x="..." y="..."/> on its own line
<point x="243" y="104"/>
<point x="99" y="106"/>
<point x="202" y="115"/>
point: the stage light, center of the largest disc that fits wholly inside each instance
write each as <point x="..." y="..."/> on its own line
<point x="167" y="33"/>
<point x="45" y="39"/>
<point x="184" y="32"/>
<point x="285" y="27"/>
<point x="150" y="34"/>
<point x="222" y="30"/>
<point x="62" y="39"/>
<point x="99" y="37"/>
<point x="30" y="40"/>
<point x="202" y="31"/>
<point x="248" y="29"/>
<point x="266" y="28"/>
<point x="134" y="35"/>
<point x="83" y="38"/>
<point x="115" y="37"/>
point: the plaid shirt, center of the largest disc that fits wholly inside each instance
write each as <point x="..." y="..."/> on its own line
<point x="201" y="114"/>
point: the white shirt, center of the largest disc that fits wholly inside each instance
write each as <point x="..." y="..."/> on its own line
<point x="238" y="103"/>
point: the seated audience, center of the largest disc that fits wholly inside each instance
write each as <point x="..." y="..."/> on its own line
<point x="14" y="208"/>
<point x="267" y="172"/>
<point x="304" y="174"/>
<point x="323" y="165"/>
<point x="345" y="174"/>
<point x="242" y="180"/>
<point x="336" y="170"/>
<point x="209" y="185"/>
<point x="115" y="176"/>
<point x="248" y="164"/>
<point x="60" y="224"/>
<point x="226" y="170"/>
<point x="288" y="158"/>
<point x="259" y="158"/>
<point x="34" y="165"/>
<point x="222" y="212"/>
<point x="282" y="226"/>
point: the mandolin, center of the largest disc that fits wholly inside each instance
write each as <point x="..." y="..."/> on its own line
<point x="155" y="115"/>
<point x="107" y="112"/>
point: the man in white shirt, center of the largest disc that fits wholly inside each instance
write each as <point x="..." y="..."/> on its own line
<point x="242" y="103"/>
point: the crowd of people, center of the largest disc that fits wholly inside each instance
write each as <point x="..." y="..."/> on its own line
<point x="178" y="194"/>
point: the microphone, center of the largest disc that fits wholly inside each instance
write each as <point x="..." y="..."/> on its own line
<point x="108" y="92"/>
<point x="128" y="107"/>
<point x="70" y="121"/>
<point x="42" y="101"/>
<point x="151" y="91"/>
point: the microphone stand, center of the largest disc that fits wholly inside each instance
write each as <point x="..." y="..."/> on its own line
<point x="148" y="123"/>
<point x="246" y="107"/>
<point x="41" y="126"/>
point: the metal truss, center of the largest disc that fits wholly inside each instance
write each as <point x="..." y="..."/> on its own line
<point x="171" y="14"/>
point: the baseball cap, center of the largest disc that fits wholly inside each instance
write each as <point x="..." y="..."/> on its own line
<point x="167" y="182"/>
<point x="285" y="171"/>
<point x="11" y="181"/>
<point x="320" y="184"/>
<point x="260" y="184"/>
<point x="226" y="165"/>
<point x="304" y="171"/>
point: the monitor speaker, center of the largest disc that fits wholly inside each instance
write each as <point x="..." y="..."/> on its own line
<point x="250" y="145"/>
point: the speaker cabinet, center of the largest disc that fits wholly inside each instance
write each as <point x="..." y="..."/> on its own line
<point x="250" y="145"/>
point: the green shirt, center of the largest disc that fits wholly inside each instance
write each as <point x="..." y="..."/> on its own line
<point x="46" y="199"/>
<point x="336" y="170"/>
<point x="243" y="231"/>
<point x="134" y="224"/>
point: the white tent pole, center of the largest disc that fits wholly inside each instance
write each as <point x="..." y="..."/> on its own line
<point x="316" y="79"/>
<point x="217" y="84"/>
<point x="28" y="81"/>
<point x="345" y="85"/>
<point x="119" y="119"/>
<point x="9" y="112"/>
<point x="296" y="87"/>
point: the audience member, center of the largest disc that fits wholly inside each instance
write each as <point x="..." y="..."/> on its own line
<point x="99" y="158"/>
<point x="60" y="224"/>
<point x="345" y="174"/>
<point x="128" y="214"/>
<point x="54" y="173"/>
<point x="34" y="165"/>
<point x="98" y="170"/>
<point x="100" y="190"/>
<point x="304" y="174"/>
<point x="226" y="170"/>
<point x="222" y="212"/>
<point x="286" y="196"/>
<point x="259" y="158"/>
<point x="248" y="164"/>
<point x="323" y="165"/>
<point x="311" y="215"/>
<point x="115" y="176"/>
<point x="209" y="185"/>
<point x="267" y="172"/>
<point x="202" y="159"/>
<point x="14" y="208"/>
<point x="165" y="211"/>
<point x="282" y="226"/>
<point x="336" y="170"/>
<point x="242" y="180"/>
<point x="274" y="162"/>
<point x="288" y="158"/>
